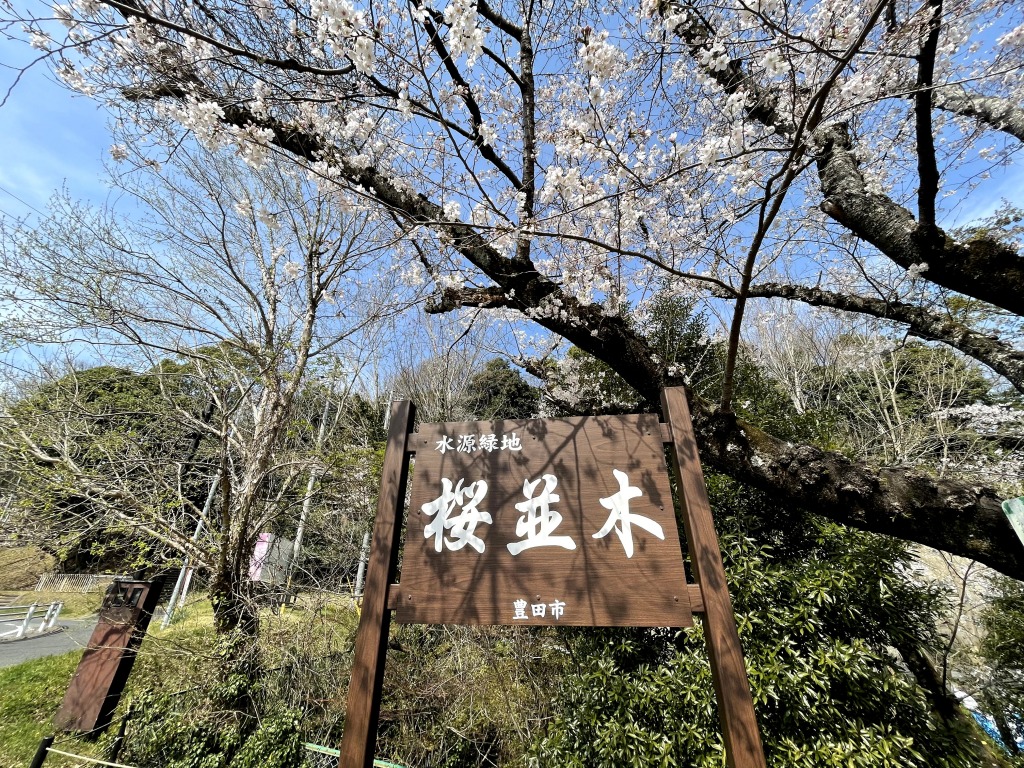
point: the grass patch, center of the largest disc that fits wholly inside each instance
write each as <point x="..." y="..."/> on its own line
<point x="76" y="604"/>
<point x="21" y="567"/>
<point x="197" y="612"/>
<point x="30" y="695"/>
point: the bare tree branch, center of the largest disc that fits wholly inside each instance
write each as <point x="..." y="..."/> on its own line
<point x="994" y="111"/>
<point x="983" y="268"/>
<point x="954" y="516"/>
<point x="1001" y="357"/>
<point x="927" y="168"/>
<point x="456" y="298"/>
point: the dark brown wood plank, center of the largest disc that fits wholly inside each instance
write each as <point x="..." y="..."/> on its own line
<point x="696" y="598"/>
<point x="597" y="574"/>
<point x="103" y="671"/>
<point x="360" y="735"/>
<point x="736" y="708"/>
<point x="393" y="595"/>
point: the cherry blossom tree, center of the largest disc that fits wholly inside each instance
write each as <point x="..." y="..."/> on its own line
<point x="562" y="162"/>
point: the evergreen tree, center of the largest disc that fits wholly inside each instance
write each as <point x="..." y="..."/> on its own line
<point x="497" y="391"/>
<point x="65" y="440"/>
<point x="820" y="609"/>
<point x="1003" y="649"/>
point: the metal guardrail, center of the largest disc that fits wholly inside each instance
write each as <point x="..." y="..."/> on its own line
<point x="74" y="582"/>
<point x="22" y="617"/>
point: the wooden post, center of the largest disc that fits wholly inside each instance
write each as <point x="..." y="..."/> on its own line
<point x="736" y="707"/>
<point x="364" y="691"/>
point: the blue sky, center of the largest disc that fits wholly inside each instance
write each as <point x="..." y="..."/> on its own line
<point x="1005" y="183"/>
<point x="49" y="137"/>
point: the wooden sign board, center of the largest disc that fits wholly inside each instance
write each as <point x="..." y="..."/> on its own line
<point x="543" y="522"/>
<point x="100" y="678"/>
<point x="547" y="521"/>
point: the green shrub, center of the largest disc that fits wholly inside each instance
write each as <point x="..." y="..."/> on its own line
<point x="820" y="609"/>
<point x="185" y="731"/>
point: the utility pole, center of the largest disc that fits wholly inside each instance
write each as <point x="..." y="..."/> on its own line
<point x="314" y="474"/>
<point x="181" y="585"/>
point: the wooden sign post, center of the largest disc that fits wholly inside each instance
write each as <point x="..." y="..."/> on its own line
<point x="546" y="522"/>
<point x="364" y="689"/>
<point x="732" y="689"/>
<point x="103" y="671"/>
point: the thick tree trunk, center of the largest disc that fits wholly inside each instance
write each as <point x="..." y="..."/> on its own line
<point x="897" y="501"/>
<point x="233" y="608"/>
<point x="236" y="621"/>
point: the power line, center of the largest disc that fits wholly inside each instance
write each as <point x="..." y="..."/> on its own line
<point x="26" y="204"/>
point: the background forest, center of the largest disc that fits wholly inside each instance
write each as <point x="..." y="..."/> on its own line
<point x="519" y="210"/>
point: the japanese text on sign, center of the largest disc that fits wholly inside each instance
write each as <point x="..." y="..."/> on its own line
<point x="537" y="525"/>
<point x="542" y="522"/>
<point x="473" y="443"/>
<point x="556" y="610"/>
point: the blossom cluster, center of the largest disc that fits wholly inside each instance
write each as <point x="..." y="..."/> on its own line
<point x="340" y="24"/>
<point x="981" y="417"/>
<point x="648" y="152"/>
<point x="465" y="37"/>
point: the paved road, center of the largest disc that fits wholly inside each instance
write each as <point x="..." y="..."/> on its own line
<point x="73" y="637"/>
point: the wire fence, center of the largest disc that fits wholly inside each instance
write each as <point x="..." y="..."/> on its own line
<point x="46" y="749"/>
<point x="326" y="757"/>
<point x="317" y="756"/>
<point x="321" y="757"/>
